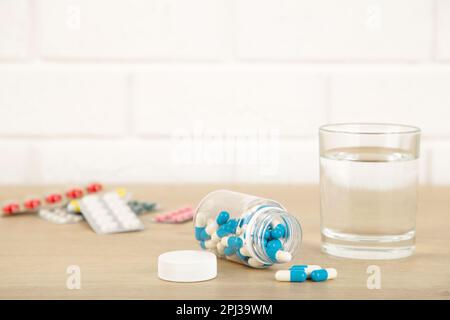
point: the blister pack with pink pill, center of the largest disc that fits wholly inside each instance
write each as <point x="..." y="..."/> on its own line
<point x="180" y="215"/>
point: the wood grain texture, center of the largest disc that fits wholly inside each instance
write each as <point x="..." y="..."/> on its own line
<point x="34" y="254"/>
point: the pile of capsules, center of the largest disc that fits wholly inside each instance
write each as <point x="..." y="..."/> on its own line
<point x="226" y="237"/>
<point x="299" y="273"/>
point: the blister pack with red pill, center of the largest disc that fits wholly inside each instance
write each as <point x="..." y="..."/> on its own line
<point x="179" y="215"/>
<point x="49" y="201"/>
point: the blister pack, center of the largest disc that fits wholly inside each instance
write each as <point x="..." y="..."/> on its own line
<point x="176" y="216"/>
<point x="139" y="207"/>
<point x="32" y="204"/>
<point x="109" y="213"/>
<point x="74" y="205"/>
<point x="59" y="216"/>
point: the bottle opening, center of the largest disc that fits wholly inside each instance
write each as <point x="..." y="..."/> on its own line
<point x="259" y="228"/>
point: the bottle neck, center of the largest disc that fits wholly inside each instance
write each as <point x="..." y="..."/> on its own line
<point x="261" y="221"/>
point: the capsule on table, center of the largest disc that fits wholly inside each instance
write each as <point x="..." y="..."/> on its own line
<point x="307" y="268"/>
<point x="323" y="274"/>
<point x="296" y="275"/>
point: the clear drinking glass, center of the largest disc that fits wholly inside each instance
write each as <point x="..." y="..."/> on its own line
<point x="368" y="189"/>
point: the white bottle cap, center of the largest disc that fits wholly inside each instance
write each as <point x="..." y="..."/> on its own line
<point x="187" y="266"/>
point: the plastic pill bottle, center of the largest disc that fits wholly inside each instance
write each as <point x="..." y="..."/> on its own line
<point x="246" y="229"/>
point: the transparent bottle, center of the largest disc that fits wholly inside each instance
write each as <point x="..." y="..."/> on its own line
<point x="246" y="229"/>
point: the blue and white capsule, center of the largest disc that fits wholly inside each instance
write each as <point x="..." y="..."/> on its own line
<point x="211" y="227"/>
<point x="220" y="249"/>
<point x="222" y="231"/>
<point x="295" y="275"/>
<point x="204" y="235"/>
<point x="210" y="244"/>
<point x="200" y="224"/>
<point x="231" y="225"/>
<point x="267" y="233"/>
<point x="230" y="251"/>
<point x="240" y="230"/>
<point x="241" y="256"/>
<point x="222" y="218"/>
<point x="308" y="268"/>
<point x="232" y="242"/>
<point x="215" y="237"/>
<point x="278" y="232"/>
<point x="244" y="251"/>
<point x="274" y="250"/>
<point x="323" y="274"/>
<point x="198" y="233"/>
<point x="283" y="256"/>
<point x="200" y="219"/>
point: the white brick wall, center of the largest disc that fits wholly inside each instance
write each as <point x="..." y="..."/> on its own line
<point x="334" y="30"/>
<point x="147" y="91"/>
<point x="134" y="29"/>
<point x="125" y="160"/>
<point x="15" y="29"/>
<point x="17" y="162"/>
<point x="443" y="29"/>
<point x="395" y="95"/>
<point x="62" y="102"/>
<point x="229" y="99"/>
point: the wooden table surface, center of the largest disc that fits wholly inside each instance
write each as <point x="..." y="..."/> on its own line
<point x="34" y="254"/>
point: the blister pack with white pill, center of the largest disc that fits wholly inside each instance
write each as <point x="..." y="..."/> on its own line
<point x="59" y="216"/>
<point x="109" y="213"/>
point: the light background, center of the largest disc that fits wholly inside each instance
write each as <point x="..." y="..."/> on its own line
<point x="96" y="89"/>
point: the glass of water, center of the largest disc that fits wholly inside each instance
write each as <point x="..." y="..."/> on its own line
<point x="368" y="189"/>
